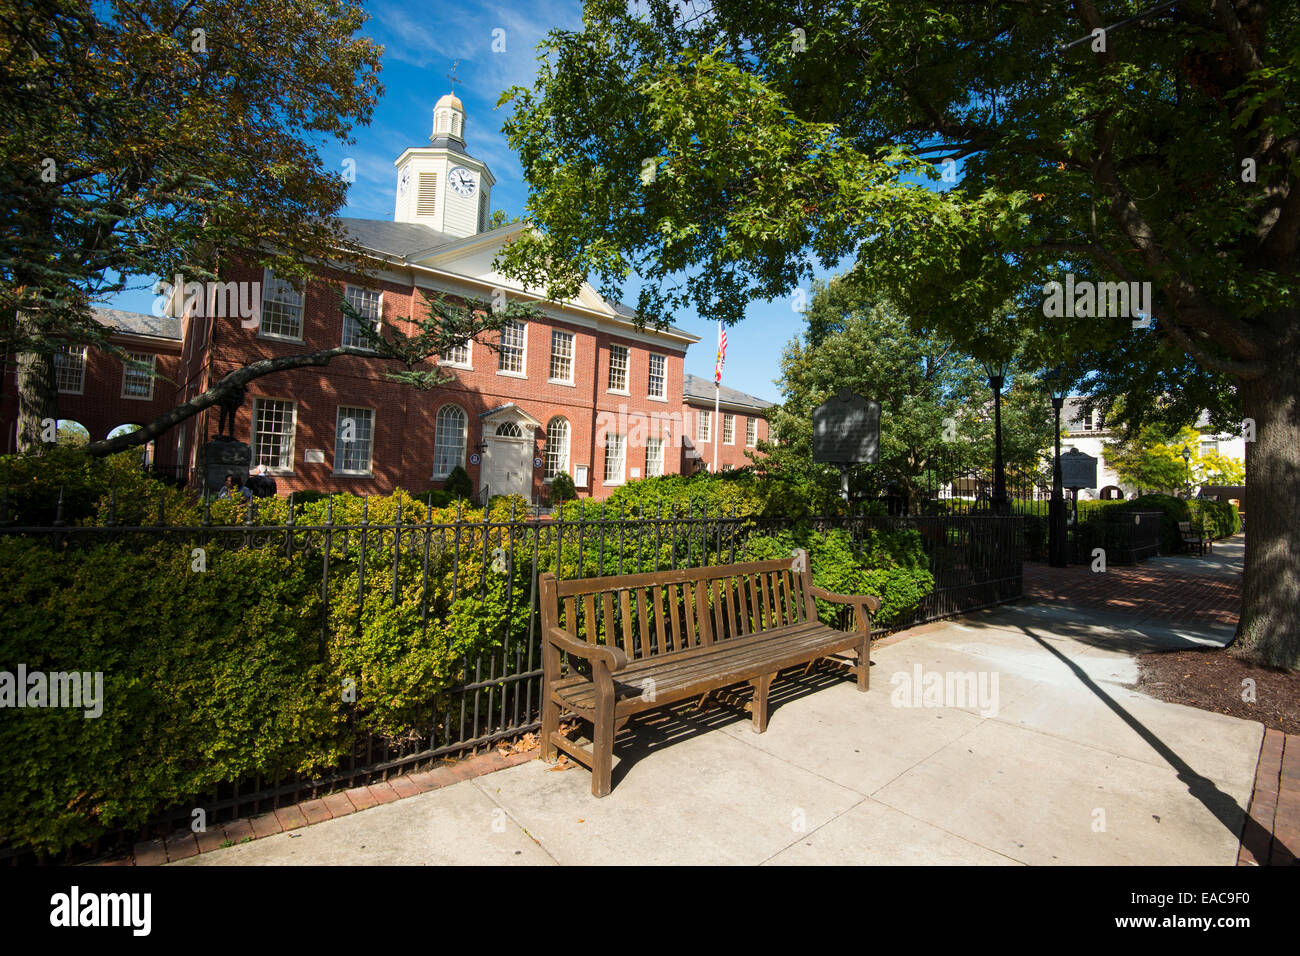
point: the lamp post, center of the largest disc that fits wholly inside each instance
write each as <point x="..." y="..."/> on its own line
<point x="1056" y="529"/>
<point x="1187" y="467"/>
<point x="1000" y="504"/>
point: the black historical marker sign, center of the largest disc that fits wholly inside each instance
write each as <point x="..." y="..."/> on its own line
<point x="846" y="430"/>
<point x="1078" y="470"/>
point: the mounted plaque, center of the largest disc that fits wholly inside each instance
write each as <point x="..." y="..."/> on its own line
<point x="846" y="430"/>
<point x="1078" y="470"/>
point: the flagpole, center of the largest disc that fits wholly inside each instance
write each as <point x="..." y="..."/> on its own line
<point x="717" y="399"/>
<point x="717" y="422"/>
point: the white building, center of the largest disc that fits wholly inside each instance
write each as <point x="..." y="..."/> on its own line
<point x="1089" y="433"/>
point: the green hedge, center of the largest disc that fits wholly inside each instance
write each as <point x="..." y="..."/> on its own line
<point x="1220" y="518"/>
<point x="220" y="675"/>
<point x="889" y="564"/>
<point x="1172" y="511"/>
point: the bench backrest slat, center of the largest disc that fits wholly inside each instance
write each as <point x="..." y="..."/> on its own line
<point x="669" y="612"/>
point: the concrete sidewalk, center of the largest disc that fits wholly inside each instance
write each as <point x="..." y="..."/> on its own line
<point x="1065" y="764"/>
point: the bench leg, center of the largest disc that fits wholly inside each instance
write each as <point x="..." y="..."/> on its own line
<point x="602" y="746"/>
<point x="759" y="706"/>
<point x="550" y="725"/>
<point x="864" y="664"/>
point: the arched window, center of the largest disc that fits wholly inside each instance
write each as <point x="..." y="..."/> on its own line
<point x="509" y="430"/>
<point x="448" y="441"/>
<point x="557" y="447"/>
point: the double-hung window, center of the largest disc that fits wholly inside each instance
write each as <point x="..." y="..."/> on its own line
<point x="354" y="433"/>
<point x="658" y="376"/>
<point x="366" y="303"/>
<point x="618" y="368"/>
<point x="615" y="447"/>
<point x="137" y="382"/>
<point x="510" y="353"/>
<point x="273" y="428"/>
<point x="561" y="356"/>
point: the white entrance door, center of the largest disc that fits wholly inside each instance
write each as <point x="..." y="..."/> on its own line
<point x="508" y="467"/>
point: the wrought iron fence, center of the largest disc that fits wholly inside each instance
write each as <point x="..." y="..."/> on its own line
<point x="975" y="562"/>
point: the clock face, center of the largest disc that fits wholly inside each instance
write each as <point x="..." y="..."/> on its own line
<point x="462" y="181"/>
<point x="404" y="181"/>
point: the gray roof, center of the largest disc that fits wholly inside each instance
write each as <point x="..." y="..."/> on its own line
<point x="394" y="238"/>
<point x="158" y="326"/>
<point x="695" y="388"/>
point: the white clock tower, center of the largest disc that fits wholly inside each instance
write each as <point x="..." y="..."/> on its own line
<point x="441" y="185"/>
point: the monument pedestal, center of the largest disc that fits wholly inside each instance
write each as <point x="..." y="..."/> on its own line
<point x="224" y="456"/>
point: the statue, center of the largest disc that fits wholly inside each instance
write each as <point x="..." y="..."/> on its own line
<point x="230" y="403"/>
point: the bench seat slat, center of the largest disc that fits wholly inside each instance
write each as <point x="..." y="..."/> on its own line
<point x="677" y="677"/>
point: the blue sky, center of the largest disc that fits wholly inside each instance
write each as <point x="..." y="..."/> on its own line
<point x="420" y="42"/>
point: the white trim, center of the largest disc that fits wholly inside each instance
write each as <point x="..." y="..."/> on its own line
<point x="379" y="316"/>
<point x="293" y="433"/>
<point x="650" y="394"/>
<point x="523" y="358"/>
<point x="85" y="359"/>
<point x="573" y="357"/>
<point x="269" y="281"/>
<point x="467" y="366"/>
<point x="374" y="421"/>
<point x="464" y="450"/>
<point x="153" y="367"/>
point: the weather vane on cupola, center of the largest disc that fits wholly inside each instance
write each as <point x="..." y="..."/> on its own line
<point x="452" y="76"/>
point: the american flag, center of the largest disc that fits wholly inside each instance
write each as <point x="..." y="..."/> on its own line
<point x="722" y="354"/>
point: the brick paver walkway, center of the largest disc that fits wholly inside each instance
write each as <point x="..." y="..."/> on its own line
<point x="1176" y="590"/>
<point x="1272" y="836"/>
<point x="1198" y="591"/>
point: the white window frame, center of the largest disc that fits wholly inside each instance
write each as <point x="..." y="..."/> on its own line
<point x="523" y="350"/>
<point x="661" y="396"/>
<point x="621" y="442"/>
<point x="438" y="444"/>
<point x="556" y="463"/>
<point x="627" y="370"/>
<point x="281" y="293"/>
<point x="127" y="370"/>
<point x="557" y="336"/>
<point x="468" y="364"/>
<point x="66" y="353"/>
<point x="348" y="291"/>
<point x="704" y="425"/>
<point x="370" y="439"/>
<point x="751" y="431"/>
<point x="728" y="434"/>
<point x="656" y="446"/>
<point x="255" y="442"/>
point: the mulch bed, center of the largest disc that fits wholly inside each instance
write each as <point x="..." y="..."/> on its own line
<point x="1211" y="679"/>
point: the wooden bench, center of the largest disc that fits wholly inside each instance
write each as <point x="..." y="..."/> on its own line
<point x="619" y="645"/>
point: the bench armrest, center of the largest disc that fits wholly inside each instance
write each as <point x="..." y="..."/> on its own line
<point x="612" y="657"/>
<point x="870" y="600"/>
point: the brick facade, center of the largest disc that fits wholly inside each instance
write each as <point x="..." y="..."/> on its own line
<point x="293" y="418"/>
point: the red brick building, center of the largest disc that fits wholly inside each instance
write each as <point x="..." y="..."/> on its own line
<point x="729" y="421"/>
<point x="579" y="390"/>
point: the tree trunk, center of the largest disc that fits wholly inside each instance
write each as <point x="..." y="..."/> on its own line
<point x="1269" y="629"/>
<point x="38" y="396"/>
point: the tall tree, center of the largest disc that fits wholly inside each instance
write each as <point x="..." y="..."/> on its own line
<point x="149" y="137"/>
<point x="716" y="151"/>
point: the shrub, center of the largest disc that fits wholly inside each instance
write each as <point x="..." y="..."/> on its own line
<point x="892" y="565"/>
<point x="1219" y="518"/>
<point x="458" y="483"/>
<point x="562" y="489"/>
<point x="1172" y="511"/>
